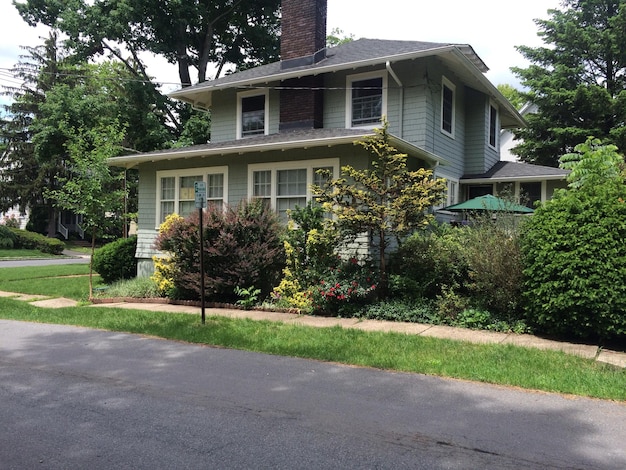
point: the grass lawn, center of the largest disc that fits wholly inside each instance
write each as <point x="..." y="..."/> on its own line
<point x="551" y="371"/>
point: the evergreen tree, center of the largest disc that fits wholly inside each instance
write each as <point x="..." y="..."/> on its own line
<point x="577" y="80"/>
<point x="23" y="174"/>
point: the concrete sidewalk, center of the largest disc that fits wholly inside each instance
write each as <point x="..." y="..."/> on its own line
<point x="438" y="331"/>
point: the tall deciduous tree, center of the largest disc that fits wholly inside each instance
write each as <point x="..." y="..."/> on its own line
<point x="386" y="200"/>
<point x="578" y="80"/>
<point x="187" y="33"/>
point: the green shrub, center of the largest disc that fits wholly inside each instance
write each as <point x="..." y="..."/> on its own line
<point x="402" y="311"/>
<point x="36" y="241"/>
<point x="116" y="260"/>
<point x="474" y="266"/>
<point x="429" y="262"/>
<point x="575" y="262"/>
<point x="242" y="247"/>
<point x="574" y="250"/>
<point x="7" y="238"/>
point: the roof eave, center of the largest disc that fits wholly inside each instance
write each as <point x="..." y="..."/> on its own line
<point x="516" y="119"/>
<point x="185" y="93"/>
<point x="130" y="161"/>
<point x="507" y="179"/>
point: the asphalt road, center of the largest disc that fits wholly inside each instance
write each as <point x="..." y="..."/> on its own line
<point x="75" y="398"/>
<point x="74" y="259"/>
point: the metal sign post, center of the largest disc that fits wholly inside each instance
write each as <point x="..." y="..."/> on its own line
<point x="200" y="197"/>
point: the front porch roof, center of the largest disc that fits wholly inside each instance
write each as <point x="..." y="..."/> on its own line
<point x="504" y="171"/>
<point x="296" y="139"/>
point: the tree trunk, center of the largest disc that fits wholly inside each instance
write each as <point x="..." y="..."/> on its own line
<point x="183" y="58"/>
<point x="52" y="222"/>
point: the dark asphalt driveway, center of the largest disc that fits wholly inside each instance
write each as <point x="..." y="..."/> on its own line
<point x="78" y="398"/>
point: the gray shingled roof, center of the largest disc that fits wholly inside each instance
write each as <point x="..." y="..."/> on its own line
<point x="343" y="56"/>
<point x="299" y="138"/>
<point x="515" y="170"/>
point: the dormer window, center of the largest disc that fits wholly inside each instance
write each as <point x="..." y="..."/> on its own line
<point x="366" y="99"/>
<point x="252" y="114"/>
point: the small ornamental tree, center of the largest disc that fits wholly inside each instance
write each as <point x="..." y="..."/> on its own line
<point x="91" y="190"/>
<point x="574" y="252"/>
<point x="385" y="200"/>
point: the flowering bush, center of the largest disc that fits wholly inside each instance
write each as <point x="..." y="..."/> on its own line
<point x="290" y="294"/>
<point x="344" y="289"/>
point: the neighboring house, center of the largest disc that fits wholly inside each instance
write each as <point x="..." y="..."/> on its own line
<point x="507" y="136"/>
<point x="273" y="126"/>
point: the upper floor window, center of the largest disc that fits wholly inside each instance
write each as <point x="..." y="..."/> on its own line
<point x="366" y="99"/>
<point x="287" y="185"/>
<point x="176" y="190"/>
<point x="252" y="113"/>
<point x="448" y="107"/>
<point x="493" y="125"/>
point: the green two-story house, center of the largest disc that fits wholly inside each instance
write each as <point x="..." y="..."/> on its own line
<point x="273" y="126"/>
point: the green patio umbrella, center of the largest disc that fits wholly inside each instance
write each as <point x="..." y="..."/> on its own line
<point x="489" y="203"/>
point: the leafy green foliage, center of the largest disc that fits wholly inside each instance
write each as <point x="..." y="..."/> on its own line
<point x="242" y="247"/>
<point x="248" y="296"/>
<point x="7" y="238"/>
<point x="576" y="80"/>
<point x="593" y="163"/>
<point x="116" y="260"/>
<point x="36" y="241"/>
<point x="186" y="33"/>
<point x="575" y="256"/>
<point x="477" y="266"/>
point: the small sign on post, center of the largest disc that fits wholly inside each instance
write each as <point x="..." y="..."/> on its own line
<point x="199" y="188"/>
<point x="200" y="197"/>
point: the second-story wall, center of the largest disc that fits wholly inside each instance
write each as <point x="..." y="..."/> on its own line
<point x="413" y="107"/>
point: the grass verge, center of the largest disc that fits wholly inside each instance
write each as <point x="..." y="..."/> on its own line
<point x="69" y="280"/>
<point x="550" y="371"/>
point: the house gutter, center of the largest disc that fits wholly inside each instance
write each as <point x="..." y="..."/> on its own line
<point x="512" y="179"/>
<point x="401" y="111"/>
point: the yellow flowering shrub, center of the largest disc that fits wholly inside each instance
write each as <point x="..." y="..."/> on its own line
<point x="163" y="275"/>
<point x="290" y="294"/>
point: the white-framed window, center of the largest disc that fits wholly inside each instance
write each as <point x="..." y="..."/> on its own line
<point x="452" y="192"/>
<point x="448" y="107"/>
<point x="176" y="191"/>
<point x="366" y="99"/>
<point x="285" y="185"/>
<point x="493" y="125"/>
<point x="252" y="113"/>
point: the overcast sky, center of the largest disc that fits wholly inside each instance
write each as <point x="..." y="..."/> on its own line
<point x="492" y="27"/>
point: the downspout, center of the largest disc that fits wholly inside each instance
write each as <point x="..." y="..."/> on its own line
<point x="401" y="110"/>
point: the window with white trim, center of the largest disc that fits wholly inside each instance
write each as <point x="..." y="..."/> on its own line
<point x="287" y="185"/>
<point x="366" y="99"/>
<point x="493" y="125"/>
<point x="252" y="113"/>
<point x="448" y="106"/>
<point x="176" y="190"/>
<point x="452" y="193"/>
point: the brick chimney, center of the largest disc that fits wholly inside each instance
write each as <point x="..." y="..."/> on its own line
<point x="302" y="43"/>
<point x="303" y="32"/>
